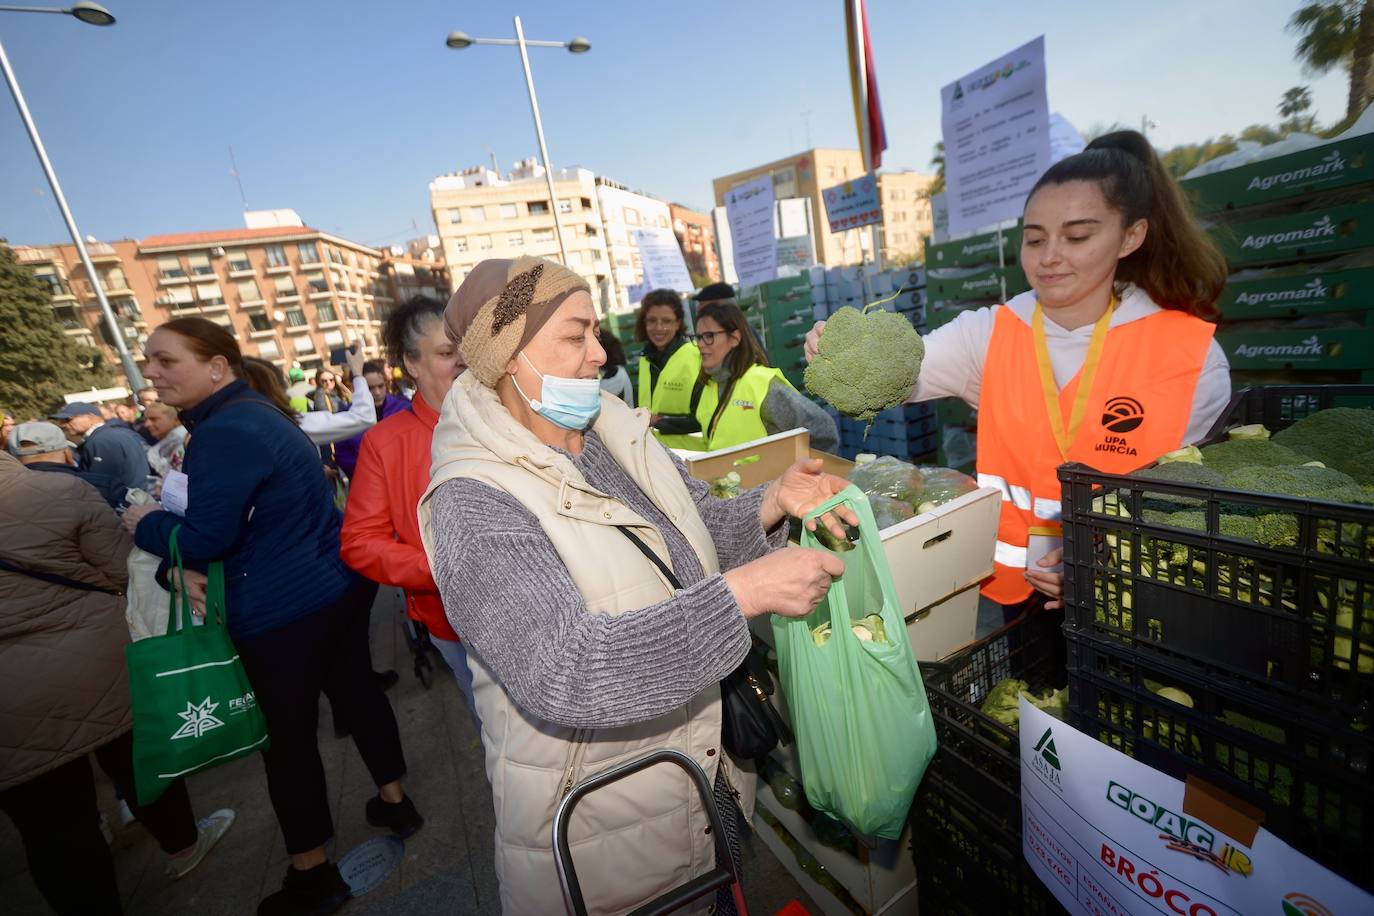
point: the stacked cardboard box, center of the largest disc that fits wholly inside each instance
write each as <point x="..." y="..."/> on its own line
<point x="1298" y="234"/>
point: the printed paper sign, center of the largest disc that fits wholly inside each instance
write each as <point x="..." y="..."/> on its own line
<point x="661" y="257"/>
<point x="996" y="123"/>
<point x="853" y="204"/>
<point x="1109" y="835"/>
<point x="749" y="211"/>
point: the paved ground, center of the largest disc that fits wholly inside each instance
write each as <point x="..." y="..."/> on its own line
<point x="447" y="866"/>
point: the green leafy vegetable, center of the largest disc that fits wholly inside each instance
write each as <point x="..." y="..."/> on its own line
<point x="866" y="362"/>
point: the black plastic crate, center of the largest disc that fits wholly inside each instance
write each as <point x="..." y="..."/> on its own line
<point x="1313" y="782"/>
<point x="967" y="862"/>
<point x="967" y="815"/>
<point x="1297" y="621"/>
<point x="975" y="751"/>
<point x="1279" y="406"/>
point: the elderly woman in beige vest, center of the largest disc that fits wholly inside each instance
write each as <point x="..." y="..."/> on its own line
<point x="582" y="653"/>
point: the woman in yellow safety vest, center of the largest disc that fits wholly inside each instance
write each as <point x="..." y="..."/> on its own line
<point x="1109" y="361"/>
<point x="743" y="398"/>
<point x="668" y="371"/>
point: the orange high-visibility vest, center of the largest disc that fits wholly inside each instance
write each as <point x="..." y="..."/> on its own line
<point x="1138" y="409"/>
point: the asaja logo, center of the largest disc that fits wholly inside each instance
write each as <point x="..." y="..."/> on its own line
<point x="1314" y="289"/>
<point x="1046" y="760"/>
<point x="1321" y="229"/>
<point x="1300" y="904"/>
<point x="198" y="719"/>
<point x="1123" y="414"/>
<point x="1331" y="163"/>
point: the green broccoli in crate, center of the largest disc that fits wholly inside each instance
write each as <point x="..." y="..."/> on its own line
<point x="1360" y="467"/>
<point x="1003" y="704"/>
<point x="1331" y="436"/>
<point x="1234" y="454"/>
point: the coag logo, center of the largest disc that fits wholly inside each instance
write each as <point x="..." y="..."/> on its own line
<point x="1123" y="414"/>
<point x="1299" y="904"/>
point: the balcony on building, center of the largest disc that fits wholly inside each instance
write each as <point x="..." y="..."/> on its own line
<point x="101" y="251"/>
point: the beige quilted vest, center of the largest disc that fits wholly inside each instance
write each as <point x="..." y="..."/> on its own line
<point x="635" y="839"/>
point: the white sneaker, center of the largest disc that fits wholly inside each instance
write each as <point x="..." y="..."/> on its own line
<point x="209" y="831"/>
<point x="126" y="817"/>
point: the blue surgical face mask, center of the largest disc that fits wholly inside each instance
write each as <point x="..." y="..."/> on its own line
<point x="572" y="403"/>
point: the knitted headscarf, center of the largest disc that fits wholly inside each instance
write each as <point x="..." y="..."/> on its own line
<point x="501" y="305"/>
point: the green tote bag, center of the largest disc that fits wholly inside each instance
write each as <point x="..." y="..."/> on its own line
<point x="863" y="726"/>
<point x="193" y="707"/>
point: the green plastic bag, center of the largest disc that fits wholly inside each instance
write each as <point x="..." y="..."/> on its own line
<point x="859" y="709"/>
<point x="193" y="707"/>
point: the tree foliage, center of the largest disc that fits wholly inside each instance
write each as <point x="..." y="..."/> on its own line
<point x="38" y="362"/>
<point x="1334" y="33"/>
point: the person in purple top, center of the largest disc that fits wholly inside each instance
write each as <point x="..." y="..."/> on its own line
<point x="346" y="452"/>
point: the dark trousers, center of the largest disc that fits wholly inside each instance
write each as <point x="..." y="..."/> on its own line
<point x="59" y="823"/>
<point x="362" y="598"/>
<point x="288" y="667"/>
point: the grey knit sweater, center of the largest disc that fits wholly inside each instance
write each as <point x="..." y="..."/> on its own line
<point x="509" y="596"/>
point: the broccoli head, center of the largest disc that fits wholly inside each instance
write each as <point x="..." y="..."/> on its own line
<point x="1361" y="467"/>
<point x="1177" y="472"/>
<point x="1303" y="481"/>
<point x="866" y="363"/>
<point x="1234" y="454"/>
<point x="1331" y="436"/>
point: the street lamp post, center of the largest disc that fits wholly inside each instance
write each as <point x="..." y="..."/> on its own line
<point x="91" y="14"/>
<point x="579" y="45"/>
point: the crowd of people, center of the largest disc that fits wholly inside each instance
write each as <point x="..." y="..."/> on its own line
<point x="586" y="591"/>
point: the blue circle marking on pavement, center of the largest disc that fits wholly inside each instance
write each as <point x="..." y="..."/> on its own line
<point x="369" y="864"/>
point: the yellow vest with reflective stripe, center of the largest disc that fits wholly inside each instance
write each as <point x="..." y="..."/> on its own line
<point x="673" y="393"/>
<point x="742" y="419"/>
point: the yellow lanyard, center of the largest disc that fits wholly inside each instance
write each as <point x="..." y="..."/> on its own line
<point x="1062" y="437"/>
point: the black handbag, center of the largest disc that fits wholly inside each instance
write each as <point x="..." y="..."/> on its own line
<point x="750" y="726"/>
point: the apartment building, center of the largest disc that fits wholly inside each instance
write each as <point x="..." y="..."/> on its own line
<point x="907" y="215"/>
<point x="288" y="294"/>
<point x="697" y="239"/>
<point x="416" y="268"/>
<point x="809" y="173"/>
<point x="480" y="213"/>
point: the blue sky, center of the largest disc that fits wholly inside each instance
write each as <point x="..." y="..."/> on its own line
<point x="344" y="111"/>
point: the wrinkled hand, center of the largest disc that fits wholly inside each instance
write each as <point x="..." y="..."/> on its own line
<point x="1050" y="584"/>
<point x="330" y="473"/>
<point x="813" y="340"/>
<point x="134" y="514"/>
<point x="802" y="488"/>
<point x="353" y="358"/>
<point x="196" y="583"/>
<point x="790" y="582"/>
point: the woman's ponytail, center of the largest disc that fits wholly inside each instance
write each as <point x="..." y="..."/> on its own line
<point x="1177" y="265"/>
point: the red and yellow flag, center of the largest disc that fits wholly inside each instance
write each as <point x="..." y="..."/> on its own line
<point x="868" y="113"/>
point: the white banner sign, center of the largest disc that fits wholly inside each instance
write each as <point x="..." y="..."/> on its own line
<point x="661" y="257"/>
<point x="749" y="210"/>
<point x="1110" y="835"/>
<point x="996" y="123"/>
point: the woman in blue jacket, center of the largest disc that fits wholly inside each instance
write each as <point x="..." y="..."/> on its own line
<point x="258" y="500"/>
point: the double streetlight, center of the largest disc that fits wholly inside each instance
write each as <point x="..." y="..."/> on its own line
<point x="91" y="14"/>
<point x="579" y="45"/>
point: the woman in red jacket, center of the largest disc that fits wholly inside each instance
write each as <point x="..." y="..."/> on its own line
<point x="381" y="533"/>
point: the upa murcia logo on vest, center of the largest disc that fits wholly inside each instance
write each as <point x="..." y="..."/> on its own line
<point x="1120" y="415"/>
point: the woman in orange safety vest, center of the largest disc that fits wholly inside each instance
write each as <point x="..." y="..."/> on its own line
<point x="1108" y="361"/>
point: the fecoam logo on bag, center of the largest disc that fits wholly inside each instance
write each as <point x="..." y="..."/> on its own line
<point x="198" y="719"/>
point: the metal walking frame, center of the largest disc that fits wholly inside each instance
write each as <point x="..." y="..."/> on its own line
<point x="723" y="875"/>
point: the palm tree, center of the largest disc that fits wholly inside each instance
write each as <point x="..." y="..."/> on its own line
<point x="1332" y="32"/>
<point x="937" y="162"/>
<point x="1291" y="107"/>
